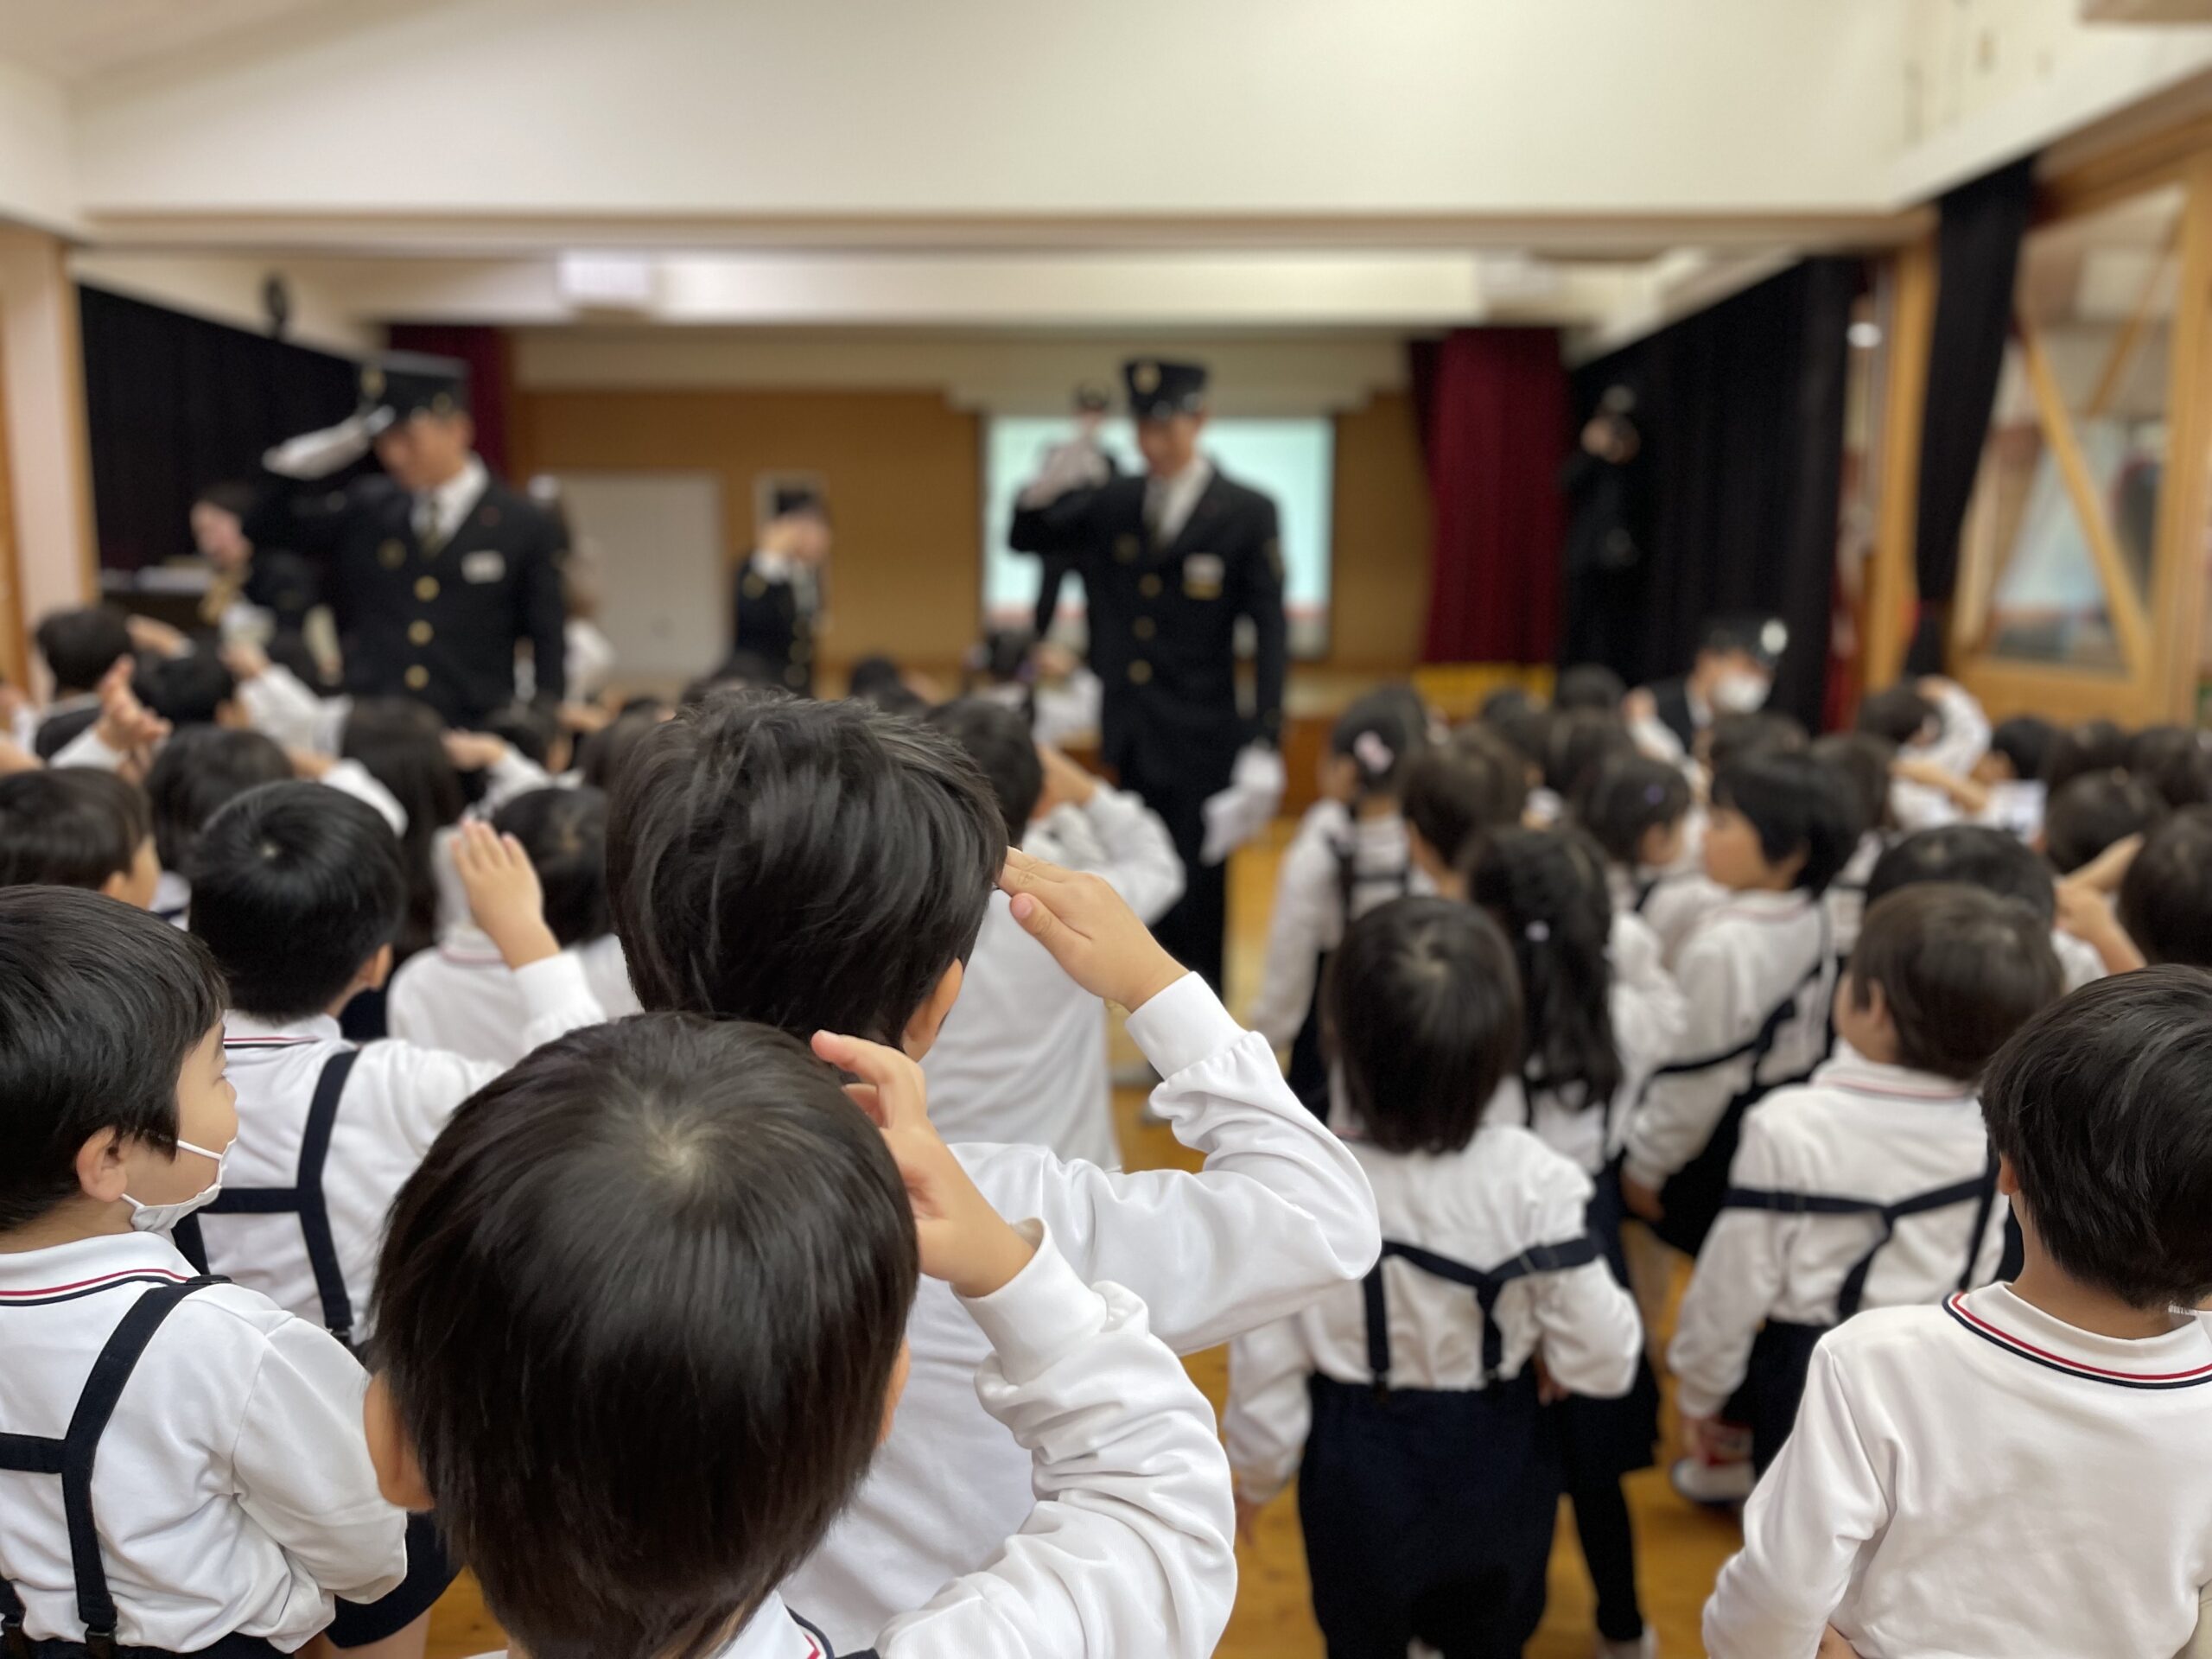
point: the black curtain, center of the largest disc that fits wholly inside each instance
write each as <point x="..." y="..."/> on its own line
<point x="175" y="404"/>
<point x="1739" y="410"/>
<point x="1978" y="254"/>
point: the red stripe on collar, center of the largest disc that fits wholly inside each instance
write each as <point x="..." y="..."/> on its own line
<point x="102" y="1279"/>
<point x="269" y="1042"/>
<point x="1955" y="1305"/>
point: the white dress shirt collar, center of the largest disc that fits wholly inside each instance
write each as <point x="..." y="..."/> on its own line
<point x="453" y="498"/>
<point x="314" y="1027"/>
<point x="1177" y="498"/>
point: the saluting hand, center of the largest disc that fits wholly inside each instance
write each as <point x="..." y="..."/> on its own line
<point x="964" y="1241"/>
<point x="503" y="895"/>
<point x="1089" y="930"/>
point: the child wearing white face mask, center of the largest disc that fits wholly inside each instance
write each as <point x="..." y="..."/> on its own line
<point x="114" y="1116"/>
<point x="1733" y="674"/>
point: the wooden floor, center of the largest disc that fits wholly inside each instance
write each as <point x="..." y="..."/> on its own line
<point x="1680" y="1546"/>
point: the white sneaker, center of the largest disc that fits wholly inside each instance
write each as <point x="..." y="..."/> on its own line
<point x="1643" y="1647"/>
<point x="1723" y="1485"/>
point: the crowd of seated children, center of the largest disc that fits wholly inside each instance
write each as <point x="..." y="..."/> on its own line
<point x="1024" y="1057"/>
<point x="1863" y="763"/>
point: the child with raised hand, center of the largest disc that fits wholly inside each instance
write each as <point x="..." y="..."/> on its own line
<point x="218" y="1430"/>
<point x="1872" y="1186"/>
<point x="822" y="866"/>
<point x="1410" y="1409"/>
<point x="684" y="1261"/>
<point x="2026" y="1468"/>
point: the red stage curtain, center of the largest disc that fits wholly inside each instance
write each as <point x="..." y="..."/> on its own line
<point x="485" y="349"/>
<point x="1497" y="433"/>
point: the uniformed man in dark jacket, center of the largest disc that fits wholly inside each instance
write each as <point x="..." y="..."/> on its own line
<point x="435" y="570"/>
<point x="779" y="590"/>
<point x="1733" y="675"/>
<point x="1170" y="561"/>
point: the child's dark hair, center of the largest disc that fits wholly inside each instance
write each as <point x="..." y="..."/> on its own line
<point x="2094" y="745"/>
<point x="1516" y="717"/>
<point x="1383" y="733"/>
<point x="187" y="690"/>
<point x="1423" y="1012"/>
<point x="1546" y="891"/>
<point x="2166" y="899"/>
<point x="999" y="742"/>
<point x="1472" y="782"/>
<point x="1897" y="715"/>
<point x="197" y="772"/>
<point x="2025" y="740"/>
<point x="295" y="887"/>
<point x="101" y="1005"/>
<point x="1861" y="762"/>
<point x="2103" y="1106"/>
<point x="638" y="1312"/>
<point x="1970" y="854"/>
<point x="1589" y="687"/>
<point x="603" y="755"/>
<point x="741" y="671"/>
<point x="57" y="732"/>
<point x="1627" y="797"/>
<point x="1732" y="738"/>
<point x="564" y="832"/>
<point x="1796" y="805"/>
<point x="2175" y="761"/>
<point x="1961" y="971"/>
<point x="528" y="729"/>
<point x="2095" y="811"/>
<point x="80" y="645"/>
<point x="401" y="744"/>
<point x="71" y="827"/>
<point x="1576" y="744"/>
<point x="816" y="865"/>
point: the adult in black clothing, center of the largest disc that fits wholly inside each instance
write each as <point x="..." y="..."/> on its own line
<point x="780" y="588"/>
<point x="1170" y="560"/>
<point x="434" y="568"/>
<point x="1603" y="483"/>
<point x="1733" y="675"/>
<point x="1081" y="463"/>
<point x="274" y="581"/>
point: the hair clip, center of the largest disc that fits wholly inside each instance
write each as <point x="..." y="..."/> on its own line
<point x="1373" y="753"/>
<point x="1654" y="793"/>
<point x="1537" y="932"/>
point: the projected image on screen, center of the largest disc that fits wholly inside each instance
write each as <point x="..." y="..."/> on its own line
<point x="1289" y="459"/>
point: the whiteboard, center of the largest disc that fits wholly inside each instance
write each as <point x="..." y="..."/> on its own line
<point x="664" y="582"/>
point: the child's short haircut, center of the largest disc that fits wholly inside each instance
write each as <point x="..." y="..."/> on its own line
<point x="564" y="832"/>
<point x="1627" y="797"/>
<point x="1897" y="715"/>
<point x="2025" y="740"/>
<point x="810" y="864"/>
<point x="531" y="731"/>
<point x="1383" y="733"/>
<point x="2175" y="762"/>
<point x="1795" y="804"/>
<point x="2104" y="1106"/>
<point x="1514" y="715"/>
<point x="1576" y="744"/>
<point x="1589" y="687"/>
<point x="1972" y="855"/>
<point x="71" y="827"/>
<point x="1861" y="764"/>
<point x="601" y="757"/>
<point x="2166" y="899"/>
<point x="185" y="691"/>
<point x="100" y="1004"/>
<point x="2094" y="812"/>
<point x="198" y="771"/>
<point x="80" y="645"/>
<point x="1001" y="743"/>
<point x="294" y="888"/>
<point x="57" y="732"/>
<point x="1475" y="781"/>
<point x="1424" y="1015"/>
<point x="1961" y="971"/>
<point x="872" y="675"/>
<point x="1732" y="738"/>
<point x="638" y="1312"/>
<point x="2094" y="745"/>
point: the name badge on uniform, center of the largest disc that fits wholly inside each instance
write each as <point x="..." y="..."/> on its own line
<point x="1202" y="575"/>
<point x="487" y="566"/>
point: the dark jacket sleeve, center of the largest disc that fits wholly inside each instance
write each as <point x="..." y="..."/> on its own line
<point x="1056" y="567"/>
<point x="1262" y="602"/>
<point x="545" y="613"/>
<point x="1062" y="525"/>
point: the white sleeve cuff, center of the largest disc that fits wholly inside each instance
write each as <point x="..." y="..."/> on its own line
<point x="1183" y="1024"/>
<point x="1038" y="1317"/>
<point x="553" y="985"/>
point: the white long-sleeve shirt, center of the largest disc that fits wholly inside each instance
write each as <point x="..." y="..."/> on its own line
<point x="1962" y="742"/>
<point x="1023" y="1056"/>
<point x="233" y="1491"/>
<point x="1650" y="1014"/>
<point x="1746" y="959"/>
<point x="1280" y="1212"/>
<point x="1308" y="918"/>
<point x="397" y="1099"/>
<point x="460" y="998"/>
<point x="1979" y="1480"/>
<point x="1859" y="1130"/>
<point x="1502" y="1193"/>
<point x="1128" y="1550"/>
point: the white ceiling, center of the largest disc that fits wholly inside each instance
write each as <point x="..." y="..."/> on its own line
<point x="74" y="41"/>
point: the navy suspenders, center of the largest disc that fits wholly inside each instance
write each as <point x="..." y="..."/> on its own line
<point x="1981" y="1193"/>
<point x="304" y="1199"/>
<point x="1485" y="1282"/>
<point x="72" y="1457"/>
<point x="1761" y="1043"/>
